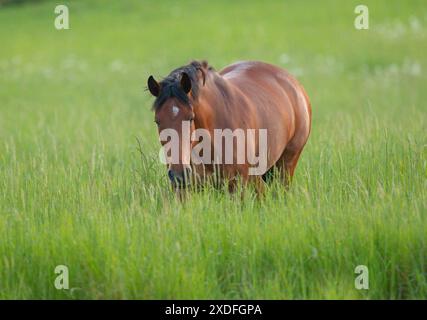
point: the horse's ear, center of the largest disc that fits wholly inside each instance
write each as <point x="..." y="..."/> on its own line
<point x="153" y="86"/>
<point x="185" y="82"/>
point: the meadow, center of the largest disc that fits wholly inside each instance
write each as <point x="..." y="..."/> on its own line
<point x="81" y="184"/>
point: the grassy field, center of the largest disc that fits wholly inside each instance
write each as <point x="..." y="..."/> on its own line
<point x="75" y="190"/>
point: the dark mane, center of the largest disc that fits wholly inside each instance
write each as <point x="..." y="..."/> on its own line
<point x="171" y="87"/>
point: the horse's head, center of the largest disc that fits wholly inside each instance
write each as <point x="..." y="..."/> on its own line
<point x="174" y="116"/>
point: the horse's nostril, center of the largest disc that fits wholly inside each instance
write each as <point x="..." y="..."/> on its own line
<point x="171" y="175"/>
<point x="175" y="177"/>
<point x="179" y="178"/>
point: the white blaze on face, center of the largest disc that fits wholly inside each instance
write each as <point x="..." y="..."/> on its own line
<point x="175" y="111"/>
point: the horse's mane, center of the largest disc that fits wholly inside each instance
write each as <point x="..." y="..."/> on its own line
<point x="171" y="87"/>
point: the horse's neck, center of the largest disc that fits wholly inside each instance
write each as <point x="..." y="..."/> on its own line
<point x="213" y="109"/>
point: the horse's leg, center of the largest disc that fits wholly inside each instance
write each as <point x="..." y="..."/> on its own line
<point x="235" y="177"/>
<point x="287" y="163"/>
<point x="255" y="181"/>
<point x="259" y="184"/>
<point x="241" y="176"/>
<point x="236" y="186"/>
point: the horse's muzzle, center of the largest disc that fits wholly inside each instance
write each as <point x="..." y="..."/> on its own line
<point x="180" y="179"/>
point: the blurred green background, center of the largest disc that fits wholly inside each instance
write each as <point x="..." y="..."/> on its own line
<point x="77" y="188"/>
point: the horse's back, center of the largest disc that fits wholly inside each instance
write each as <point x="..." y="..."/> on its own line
<point x="262" y="80"/>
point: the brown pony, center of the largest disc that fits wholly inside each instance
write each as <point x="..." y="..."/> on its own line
<point x="244" y="95"/>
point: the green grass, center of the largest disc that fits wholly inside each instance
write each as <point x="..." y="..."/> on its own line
<point x="74" y="190"/>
